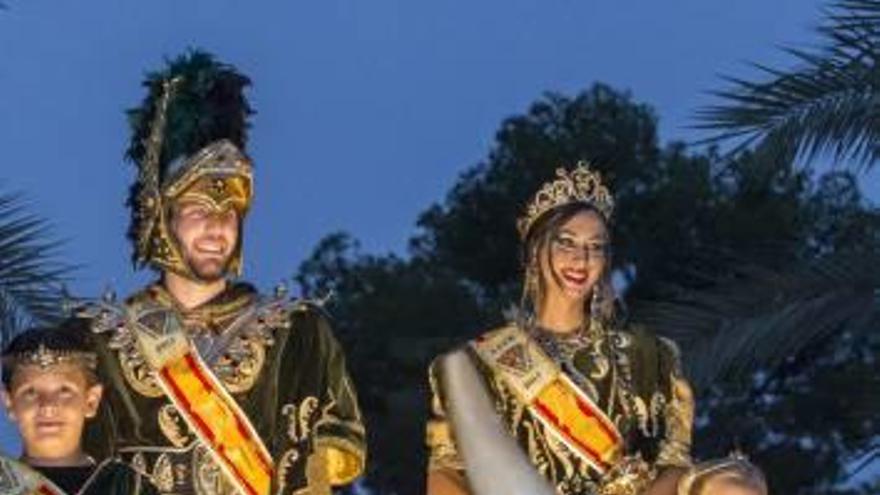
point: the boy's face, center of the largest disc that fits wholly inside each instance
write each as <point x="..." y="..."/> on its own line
<point x="50" y="407"/>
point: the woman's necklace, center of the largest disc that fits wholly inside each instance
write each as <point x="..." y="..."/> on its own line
<point x="580" y="353"/>
<point x="600" y="353"/>
<point x="561" y="346"/>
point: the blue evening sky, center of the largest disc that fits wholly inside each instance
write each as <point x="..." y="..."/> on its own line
<point x="367" y="110"/>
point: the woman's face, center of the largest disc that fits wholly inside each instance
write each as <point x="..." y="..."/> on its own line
<point x="575" y="258"/>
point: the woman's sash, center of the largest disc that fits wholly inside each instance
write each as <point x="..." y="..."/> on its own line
<point x="564" y="410"/>
<point x="16" y="478"/>
<point x="202" y="400"/>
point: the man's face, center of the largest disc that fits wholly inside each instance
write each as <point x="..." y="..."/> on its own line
<point x="207" y="238"/>
<point x="50" y="407"/>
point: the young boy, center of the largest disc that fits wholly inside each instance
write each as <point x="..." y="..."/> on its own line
<point x="50" y="389"/>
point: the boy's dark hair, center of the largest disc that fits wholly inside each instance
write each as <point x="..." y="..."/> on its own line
<point x="48" y="345"/>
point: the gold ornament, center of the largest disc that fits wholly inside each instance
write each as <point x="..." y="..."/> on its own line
<point x="581" y="185"/>
<point x="44" y="358"/>
<point x="630" y="476"/>
<point x="219" y="176"/>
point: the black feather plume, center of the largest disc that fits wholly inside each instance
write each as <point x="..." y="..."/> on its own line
<point x="208" y="105"/>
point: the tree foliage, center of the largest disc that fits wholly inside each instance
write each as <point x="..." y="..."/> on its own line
<point x="392" y="316"/>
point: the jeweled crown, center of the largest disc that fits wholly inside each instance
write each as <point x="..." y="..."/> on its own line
<point x="44" y="357"/>
<point x="581" y="185"/>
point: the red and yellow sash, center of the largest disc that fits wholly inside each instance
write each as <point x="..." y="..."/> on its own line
<point x="557" y="402"/>
<point x="18" y="478"/>
<point x="205" y="404"/>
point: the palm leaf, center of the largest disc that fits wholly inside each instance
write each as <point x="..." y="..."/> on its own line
<point x="767" y="316"/>
<point x="743" y="334"/>
<point x="31" y="273"/>
<point x="828" y="104"/>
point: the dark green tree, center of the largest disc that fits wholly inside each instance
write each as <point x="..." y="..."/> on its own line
<point x="472" y="232"/>
<point x="392" y="316"/>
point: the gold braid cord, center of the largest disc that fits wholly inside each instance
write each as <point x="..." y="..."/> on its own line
<point x="149" y="202"/>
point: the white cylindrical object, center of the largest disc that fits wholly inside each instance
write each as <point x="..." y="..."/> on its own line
<point x="494" y="461"/>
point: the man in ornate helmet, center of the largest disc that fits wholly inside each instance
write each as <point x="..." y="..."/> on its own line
<point x="212" y="388"/>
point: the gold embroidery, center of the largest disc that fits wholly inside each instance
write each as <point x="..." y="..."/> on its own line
<point x="641" y="414"/>
<point x="240" y="373"/>
<point x="173" y="426"/>
<point x="240" y="324"/>
<point x="163" y="474"/>
<point x="181" y="473"/>
<point x="631" y="476"/>
<point x="317" y="475"/>
<point x="139" y="463"/>
<point x="299" y="418"/>
<point x="108" y="317"/>
<point x="138" y="374"/>
<point x="208" y="479"/>
<point x="661" y="416"/>
<point x="248" y="337"/>
<point x="442" y="451"/>
<point x="288" y="459"/>
<point x="15" y="480"/>
<point x="335" y="460"/>
<point x="344" y="460"/>
<point x="676" y="445"/>
<point x="658" y="409"/>
<point x="560" y="452"/>
<point x="441" y="446"/>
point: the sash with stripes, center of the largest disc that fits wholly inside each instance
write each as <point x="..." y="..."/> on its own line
<point x="202" y="400"/>
<point x="18" y="479"/>
<point x="551" y="396"/>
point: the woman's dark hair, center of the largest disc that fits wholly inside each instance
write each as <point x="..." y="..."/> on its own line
<point x="70" y="336"/>
<point x="538" y="240"/>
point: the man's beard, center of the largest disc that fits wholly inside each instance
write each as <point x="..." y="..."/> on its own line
<point x="208" y="269"/>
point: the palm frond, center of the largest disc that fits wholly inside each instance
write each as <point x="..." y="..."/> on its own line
<point x="31" y="273"/>
<point x="828" y="104"/>
<point x="767" y="317"/>
<point x="855" y="13"/>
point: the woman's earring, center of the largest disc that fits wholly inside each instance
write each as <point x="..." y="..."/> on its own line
<point x="595" y="307"/>
<point x="532" y="275"/>
<point x="529" y="289"/>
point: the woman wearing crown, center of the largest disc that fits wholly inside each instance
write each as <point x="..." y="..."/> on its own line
<point x="567" y="399"/>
